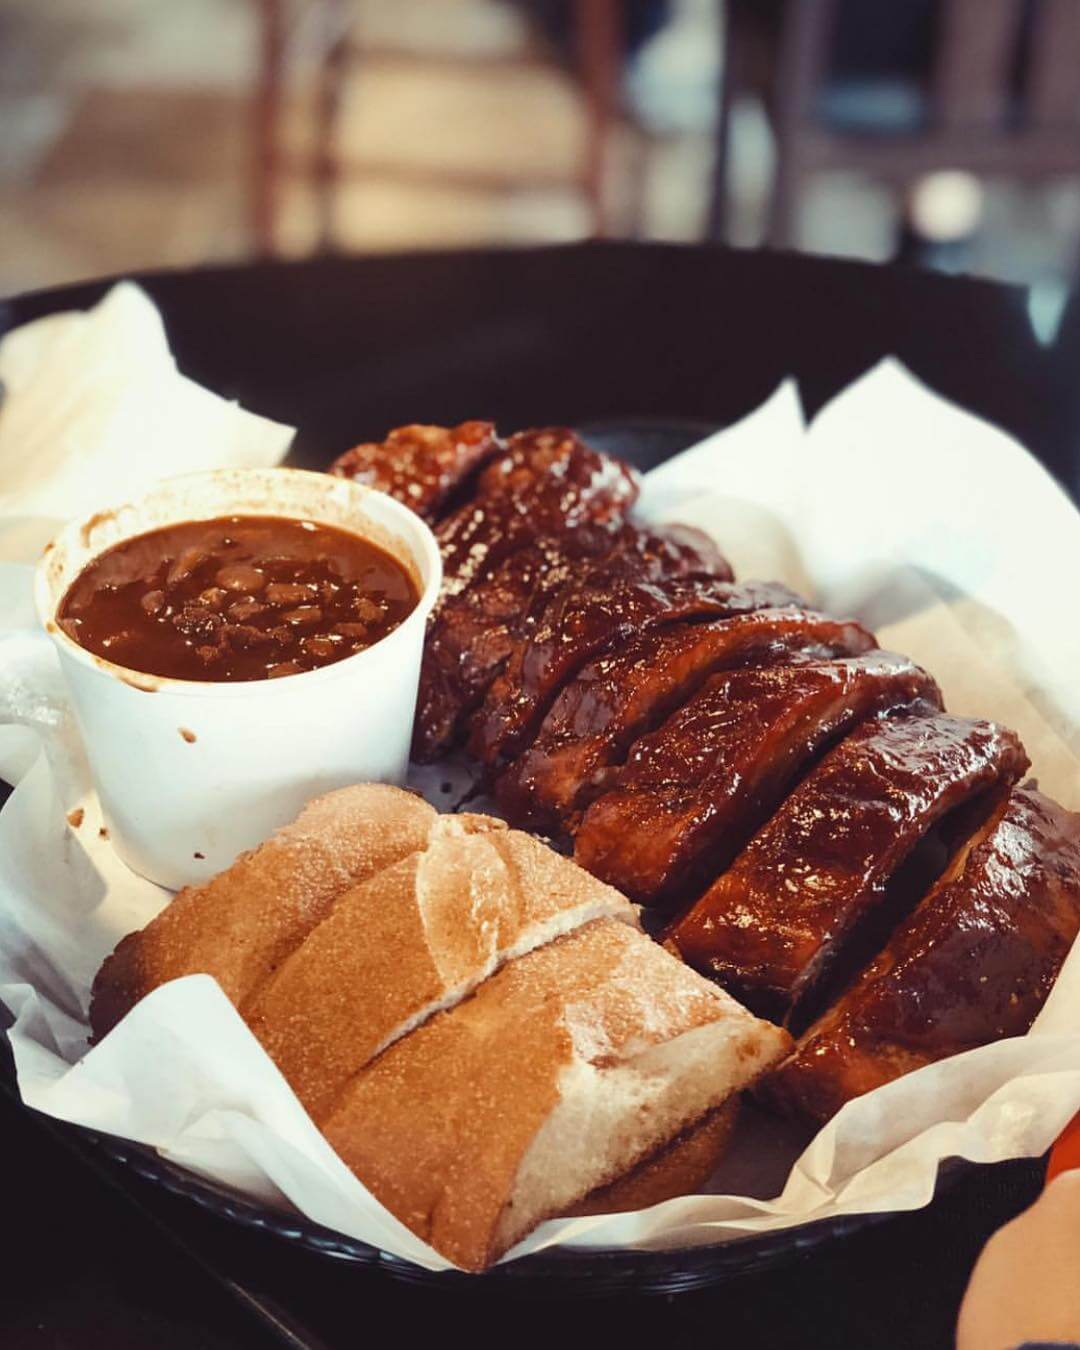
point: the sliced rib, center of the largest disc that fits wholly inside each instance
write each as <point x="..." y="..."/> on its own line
<point x="547" y="483"/>
<point x="692" y="791"/>
<point x="547" y="460"/>
<point x="772" y="926"/>
<point x="604" y="608"/>
<point x="422" y="466"/>
<point x="973" y="963"/>
<point x="625" y="693"/>
<point x="473" y="631"/>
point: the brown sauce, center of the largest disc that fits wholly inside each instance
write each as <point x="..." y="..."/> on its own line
<point x="238" y="598"/>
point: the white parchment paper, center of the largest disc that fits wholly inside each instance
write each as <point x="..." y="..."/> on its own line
<point x="93" y="407"/>
<point x="930" y="525"/>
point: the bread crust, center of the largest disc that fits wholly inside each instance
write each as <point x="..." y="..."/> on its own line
<point x="241" y="924"/>
<point x="440" y="1127"/>
<point x="414" y="939"/>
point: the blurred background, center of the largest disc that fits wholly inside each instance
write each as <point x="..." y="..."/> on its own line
<point x="149" y="133"/>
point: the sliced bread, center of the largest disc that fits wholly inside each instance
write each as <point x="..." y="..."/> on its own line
<point x="416" y="938"/>
<point x="562" y="1072"/>
<point x="241" y="924"/>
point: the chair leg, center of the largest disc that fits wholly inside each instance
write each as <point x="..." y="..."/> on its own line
<point x="265" y="166"/>
<point x="637" y="196"/>
<point x="717" y="221"/>
<point x="783" y="223"/>
<point x="334" y="39"/>
<point x="600" y="47"/>
<point x="805" y="40"/>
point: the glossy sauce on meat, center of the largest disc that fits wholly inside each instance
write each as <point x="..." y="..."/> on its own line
<point x="772" y="925"/>
<point x="237" y="598"/>
<point x="972" y="964"/>
<point x="628" y="692"/>
<point x="606" y="605"/>
<point x="554" y="468"/>
<point x="692" y="791"/>
<point x="475" y="629"/>
<point x="423" y="467"/>
<point x="547" y="483"/>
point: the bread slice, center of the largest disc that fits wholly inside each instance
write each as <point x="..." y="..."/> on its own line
<point x="682" y="1167"/>
<point x="241" y="924"/>
<point x="418" y="937"/>
<point x="563" y="1071"/>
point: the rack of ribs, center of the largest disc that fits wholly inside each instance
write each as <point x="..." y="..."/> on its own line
<point x="423" y="467"/>
<point x="595" y="614"/>
<point x="697" y="738"/>
<point x="692" y="791"/>
<point x="795" y="900"/>
<point x="624" y="694"/>
<point x="972" y="964"/>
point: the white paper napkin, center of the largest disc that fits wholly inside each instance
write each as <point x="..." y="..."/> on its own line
<point x="933" y="526"/>
<point x="93" y="409"/>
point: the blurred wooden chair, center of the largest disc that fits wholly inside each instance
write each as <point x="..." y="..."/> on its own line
<point x="324" y="27"/>
<point x="1003" y="101"/>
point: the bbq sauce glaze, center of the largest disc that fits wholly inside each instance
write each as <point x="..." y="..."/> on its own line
<point x="237" y="598"/>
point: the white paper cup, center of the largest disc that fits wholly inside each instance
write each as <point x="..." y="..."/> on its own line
<point x="191" y="773"/>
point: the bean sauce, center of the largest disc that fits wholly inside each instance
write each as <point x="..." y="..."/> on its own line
<point x="238" y="598"/>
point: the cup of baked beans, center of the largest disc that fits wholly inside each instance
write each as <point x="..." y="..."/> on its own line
<point x="234" y="643"/>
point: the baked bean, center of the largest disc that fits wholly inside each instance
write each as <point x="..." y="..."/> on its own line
<point x="288" y="593"/>
<point x="243" y="610"/>
<point x="183" y="564"/>
<point x="241" y="577"/>
<point x="367" y="609"/>
<point x="322" y="648"/>
<point x="303" y="617"/>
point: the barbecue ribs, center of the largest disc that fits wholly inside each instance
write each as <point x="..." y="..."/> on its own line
<point x="474" y="629"/>
<point x="422" y="466"/>
<point x="595" y="614"/>
<point x="771" y="926"/>
<point x="973" y="963"/>
<point x="692" y="791"/>
<point x="626" y="693"/>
